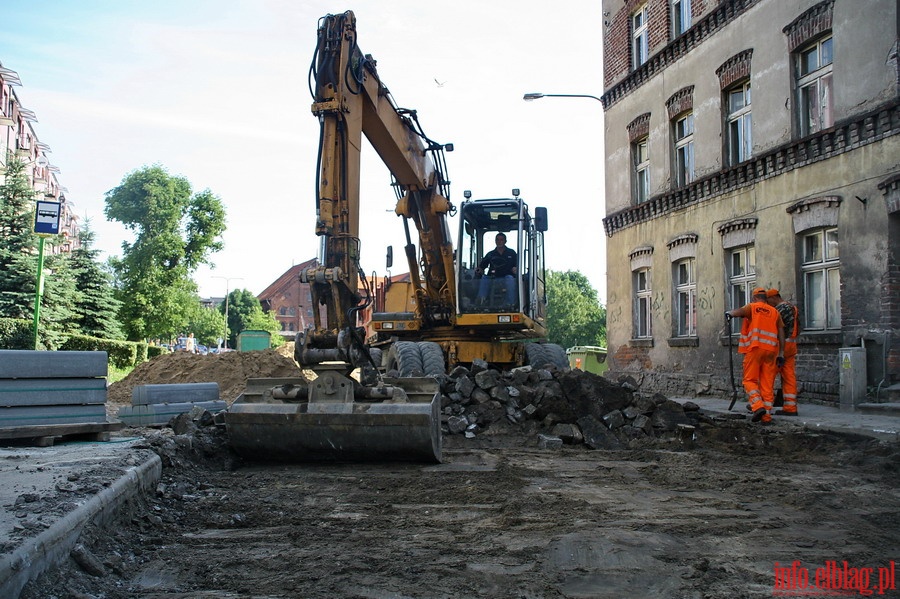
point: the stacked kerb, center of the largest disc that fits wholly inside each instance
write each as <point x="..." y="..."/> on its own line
<point x="52" y="393"/>
<point x="156" y="405"/>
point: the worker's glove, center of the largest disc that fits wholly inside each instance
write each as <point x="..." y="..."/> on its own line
<point x="779" y="361"/>
<point x="728" y="315"/>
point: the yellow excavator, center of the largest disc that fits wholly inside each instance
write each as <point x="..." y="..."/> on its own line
<point x="451" y="311"/>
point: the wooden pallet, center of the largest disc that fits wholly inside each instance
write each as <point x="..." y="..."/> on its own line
<point x="46" y="436"/>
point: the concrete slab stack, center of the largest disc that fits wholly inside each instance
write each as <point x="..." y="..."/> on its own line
<point x="155" y="405"/>
<point x="44" y="394"/>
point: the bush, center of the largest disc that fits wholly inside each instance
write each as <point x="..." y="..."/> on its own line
<point x="122" y="354"/>
<point x="19" y="334"/>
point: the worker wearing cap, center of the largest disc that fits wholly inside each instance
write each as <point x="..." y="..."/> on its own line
<point x="790" y="317"/>
<point x="762" y="343"/>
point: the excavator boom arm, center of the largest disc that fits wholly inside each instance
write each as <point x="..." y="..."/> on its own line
<point x="350" y="101"/>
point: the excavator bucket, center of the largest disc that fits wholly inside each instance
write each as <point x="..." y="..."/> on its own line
<point x="334" y="418"/>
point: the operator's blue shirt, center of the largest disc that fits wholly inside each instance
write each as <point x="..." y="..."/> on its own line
<point x="501" y="265"/>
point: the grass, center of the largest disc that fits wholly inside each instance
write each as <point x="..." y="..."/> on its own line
<point x="115" y="374"/>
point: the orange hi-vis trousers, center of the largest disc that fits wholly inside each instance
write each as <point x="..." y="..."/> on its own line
<point x="788" y="374"/>
<point x="759" y="380"/>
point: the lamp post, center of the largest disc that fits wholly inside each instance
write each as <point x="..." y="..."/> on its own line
<point x="537" y="96"/>
<point x="228" y="281"/>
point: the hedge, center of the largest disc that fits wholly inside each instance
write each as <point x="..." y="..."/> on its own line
<point x="122" y="354"/>
<point x="17" y="333"/>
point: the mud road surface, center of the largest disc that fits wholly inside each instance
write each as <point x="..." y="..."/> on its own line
<point x="500" y="518"/>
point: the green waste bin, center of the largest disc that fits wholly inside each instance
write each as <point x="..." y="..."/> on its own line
<point x="589" y="358"/>
<point x="250" y="340"/>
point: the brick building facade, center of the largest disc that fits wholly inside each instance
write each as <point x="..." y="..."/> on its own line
<point x="751" y="142"/>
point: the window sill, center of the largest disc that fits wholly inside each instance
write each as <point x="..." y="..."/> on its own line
<point x="684" y="342"/>
<point x="641" y="343"/>
<point x="816" y="337"/>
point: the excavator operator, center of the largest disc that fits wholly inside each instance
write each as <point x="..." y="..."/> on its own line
<point x="503" y="265"/>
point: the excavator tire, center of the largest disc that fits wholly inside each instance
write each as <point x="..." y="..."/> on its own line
<point x="534" y="354"/>
<point x="432" y="358"/>
<point x="406" y="358"/>
<point x="556" y="355"/>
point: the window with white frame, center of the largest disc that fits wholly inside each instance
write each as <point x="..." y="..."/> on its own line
<point x="741" y="274"/>
<point x="814" y="86"/>
<point x="643" y="328"/>
<point x="640" y="37"/>
<point x="684" y="149"/>
<point x="685" y="298"/>
<point x="641" y="160"/>
<point x="821" y="280"/>
<point x="738" y="139"/>
<point x="681" y="17"/>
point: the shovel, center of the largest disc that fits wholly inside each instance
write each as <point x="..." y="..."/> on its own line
<point x="734" y="392"/>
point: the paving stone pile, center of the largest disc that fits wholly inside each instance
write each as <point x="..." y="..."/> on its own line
<point x="568" y="406"/>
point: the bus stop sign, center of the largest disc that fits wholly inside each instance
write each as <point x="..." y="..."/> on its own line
<point x="46" y="218"/>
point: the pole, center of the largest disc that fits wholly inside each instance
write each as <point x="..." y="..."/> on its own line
<point x="39" y="291"/>
<point x="228" y="281"/>
<point x="530" y="97"/>
<point x="734" y="392"/>
<point x="225" y="338"/>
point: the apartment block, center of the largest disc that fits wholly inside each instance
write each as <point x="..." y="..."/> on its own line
<point x="18" y="138"/>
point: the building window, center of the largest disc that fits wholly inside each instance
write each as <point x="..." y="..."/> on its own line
<point x="641" y="158"/>
<point x="681" y="17"/>
<point x="685" y="298"/>
<point x="741" y="278"/>
<point x="739" y="142"/>
<point x="640" y="42"/>
<point x="821" y="280"/>
<point x="814" y="87"/>
<point x="642" y="323"/>
<point x="684" y="149"/>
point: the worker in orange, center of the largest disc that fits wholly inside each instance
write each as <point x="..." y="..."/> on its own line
<point x="762" y="343"/>
<point x="790" y="316"/>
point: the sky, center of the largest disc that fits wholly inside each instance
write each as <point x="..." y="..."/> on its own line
<point x="216" y="91"/>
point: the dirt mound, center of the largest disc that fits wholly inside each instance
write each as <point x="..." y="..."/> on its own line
<point x="230" y="370"/>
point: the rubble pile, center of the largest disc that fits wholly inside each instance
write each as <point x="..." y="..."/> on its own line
<point x="561" y="405"/>
<point x="547" y="406"/>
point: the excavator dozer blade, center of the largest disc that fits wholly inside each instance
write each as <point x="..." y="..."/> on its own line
<point x="263" y="428"/>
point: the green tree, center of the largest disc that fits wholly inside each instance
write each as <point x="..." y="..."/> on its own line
<point x="242" y="304"/>
<point x="207" y="324"/>
<point x="60" y="297"/>
<point x="96" y="307"/>
<point x="574" y="313"/>
<point x="18" y="266"/>
<point x="175" y="232"/>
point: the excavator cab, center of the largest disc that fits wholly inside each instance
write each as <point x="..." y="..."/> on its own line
<point x="481" y="290"/>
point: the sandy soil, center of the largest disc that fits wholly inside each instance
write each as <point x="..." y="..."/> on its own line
<point x="501" y="518"/>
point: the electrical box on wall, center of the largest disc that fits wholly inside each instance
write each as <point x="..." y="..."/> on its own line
<point x="852" y="364"/>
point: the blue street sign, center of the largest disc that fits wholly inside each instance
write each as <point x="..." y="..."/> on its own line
<point x="46" y="218"/>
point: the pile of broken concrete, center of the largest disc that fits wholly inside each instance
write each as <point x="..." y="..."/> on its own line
<point x="568" y="406"/>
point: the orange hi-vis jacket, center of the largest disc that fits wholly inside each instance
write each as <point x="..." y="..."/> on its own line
<point x="760" y="330"/>
<point x="790" y="315"/>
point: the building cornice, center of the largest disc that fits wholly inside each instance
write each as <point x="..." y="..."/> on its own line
<point x="717" y="19"/>
<point x="845" y="136"/>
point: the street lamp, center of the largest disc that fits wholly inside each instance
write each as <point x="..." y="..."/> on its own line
<point x="228" y="281"/>
<point x="537" y="96"/>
